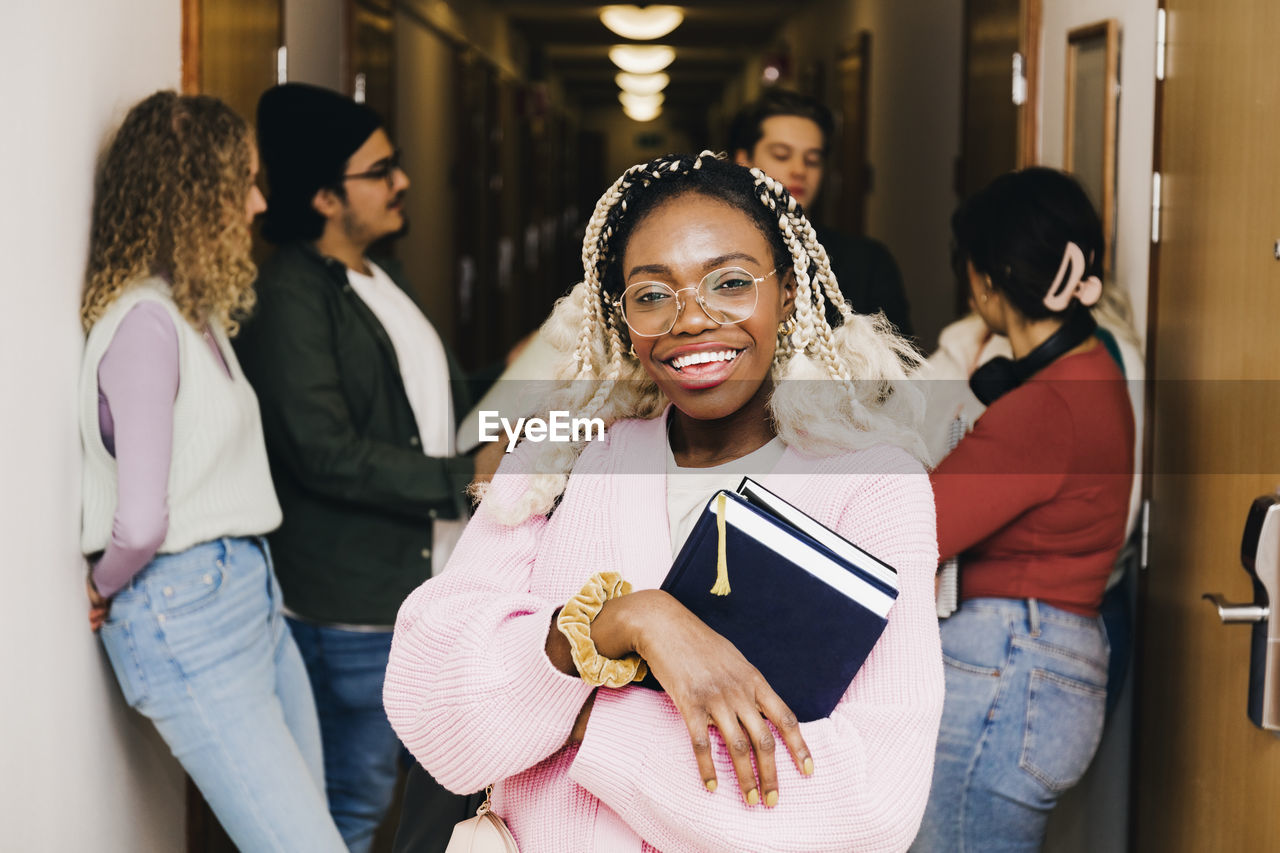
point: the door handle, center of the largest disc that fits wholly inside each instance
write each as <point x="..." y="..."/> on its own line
<point x="1260" y="557"/>
<point x="1232" y="613"/>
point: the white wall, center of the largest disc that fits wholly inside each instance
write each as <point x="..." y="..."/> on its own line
<point x="1136" y="127"/>
<point x="914" y="134"/>
<point x="78" y="771"/>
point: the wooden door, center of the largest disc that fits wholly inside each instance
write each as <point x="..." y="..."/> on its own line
<point x="231" y="49"/>
<point x="853" y="172"/>
<point x="1206" y="779"/>
<point x="371" y="52"/>
<point x="477" y="178"/>
<point x="997" y="135"/>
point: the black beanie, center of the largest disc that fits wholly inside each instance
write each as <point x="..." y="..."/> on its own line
<point x="306" y="134"/>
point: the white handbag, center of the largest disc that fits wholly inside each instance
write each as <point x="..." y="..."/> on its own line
<point x="484" y="833"/>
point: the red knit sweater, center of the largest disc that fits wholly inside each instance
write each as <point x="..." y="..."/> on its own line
<point x="1034" y="499"/>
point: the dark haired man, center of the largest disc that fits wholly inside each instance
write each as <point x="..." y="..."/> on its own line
<point x="358" y="399"/>
<point x="787" y="136"/>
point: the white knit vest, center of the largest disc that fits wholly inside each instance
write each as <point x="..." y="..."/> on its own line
<point x="219" y="482"/>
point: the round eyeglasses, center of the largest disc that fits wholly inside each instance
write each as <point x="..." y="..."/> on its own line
<point x="384" y="170"/>
<point x="728" y="295"/>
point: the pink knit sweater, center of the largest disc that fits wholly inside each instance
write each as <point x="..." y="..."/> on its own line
<point x="472" y="693"/>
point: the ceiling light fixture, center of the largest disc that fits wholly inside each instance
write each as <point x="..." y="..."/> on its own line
<point x="641" y="84"/>
<point x="642" y="115"/>
<point x="642" y="58"/>
<point x="641" y="24"/>
<point x="641" y="102"/>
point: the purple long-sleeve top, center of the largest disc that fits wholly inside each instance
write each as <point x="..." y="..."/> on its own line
<point x="137" y="387"/>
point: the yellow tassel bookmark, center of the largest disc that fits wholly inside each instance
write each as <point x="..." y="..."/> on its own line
<point x="722" y="564"/>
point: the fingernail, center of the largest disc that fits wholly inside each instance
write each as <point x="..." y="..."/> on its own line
<point x="711" y="785"/>
<point x="753" y="797"/>
<point x="771" y="799"/>
<point x="808" y="766"/>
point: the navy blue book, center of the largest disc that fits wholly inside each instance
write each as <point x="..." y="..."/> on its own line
<point x="805" y="605"/>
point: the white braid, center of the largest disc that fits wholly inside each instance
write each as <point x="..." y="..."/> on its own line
<point x="819" y="254"/>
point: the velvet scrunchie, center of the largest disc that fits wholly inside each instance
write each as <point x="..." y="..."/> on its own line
<point x="574" y="622"/>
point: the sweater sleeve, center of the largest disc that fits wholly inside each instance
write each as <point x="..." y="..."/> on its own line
<point x="469" y="688"/>
<point x="288" y="353"/>
<point x="873" y="757"/>
<point x="138" y="380"/>
<point x="1016" y="457"/>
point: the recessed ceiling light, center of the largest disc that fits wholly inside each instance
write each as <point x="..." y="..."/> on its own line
<point x="642" y="58"/>
<point x="641" y="24"/>
<point x="641" y="84"/>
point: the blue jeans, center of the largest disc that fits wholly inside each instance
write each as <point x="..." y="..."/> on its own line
<point x="360" y="747"/>
<point x="1025" y="702"/>
<point x="199" y="645"/>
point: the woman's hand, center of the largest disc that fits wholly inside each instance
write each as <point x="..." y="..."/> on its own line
<point x="711" y="683"/>
<point x="99" y="607"/>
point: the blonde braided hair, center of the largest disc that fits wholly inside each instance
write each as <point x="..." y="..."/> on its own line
<point x="598" y="379"/>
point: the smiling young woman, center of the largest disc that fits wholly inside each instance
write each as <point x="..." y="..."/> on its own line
<point x="699" y="336"/>
<point x="717" y="375"/>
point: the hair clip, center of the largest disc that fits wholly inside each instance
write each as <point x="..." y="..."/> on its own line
<point x="1070" y="282"/>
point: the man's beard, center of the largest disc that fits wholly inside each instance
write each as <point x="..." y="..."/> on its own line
<point x="359" y="234"/>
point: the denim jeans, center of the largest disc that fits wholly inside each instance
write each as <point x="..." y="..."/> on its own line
<point x="199" y="645"/>
<point x="360" y="748"/>
<point x="1023" y="714"/>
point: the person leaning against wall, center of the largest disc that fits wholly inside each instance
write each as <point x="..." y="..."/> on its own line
<point x="176" y="488"/>
<point x="788" y="136"/>
<point x="355" y="386"/>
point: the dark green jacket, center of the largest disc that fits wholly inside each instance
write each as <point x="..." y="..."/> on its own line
<point x="357" y="491"/>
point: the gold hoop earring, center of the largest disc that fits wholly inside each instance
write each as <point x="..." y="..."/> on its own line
<point x="632" y="351"/>
<point x="786" y="346"/>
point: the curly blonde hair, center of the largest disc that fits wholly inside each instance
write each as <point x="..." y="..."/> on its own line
<point x="170" y="200"/>
<point x="873" y="403"/>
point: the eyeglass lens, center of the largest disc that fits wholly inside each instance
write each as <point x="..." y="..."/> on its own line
<point x="384" y="171"/>
<point x="650" y="308"/>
